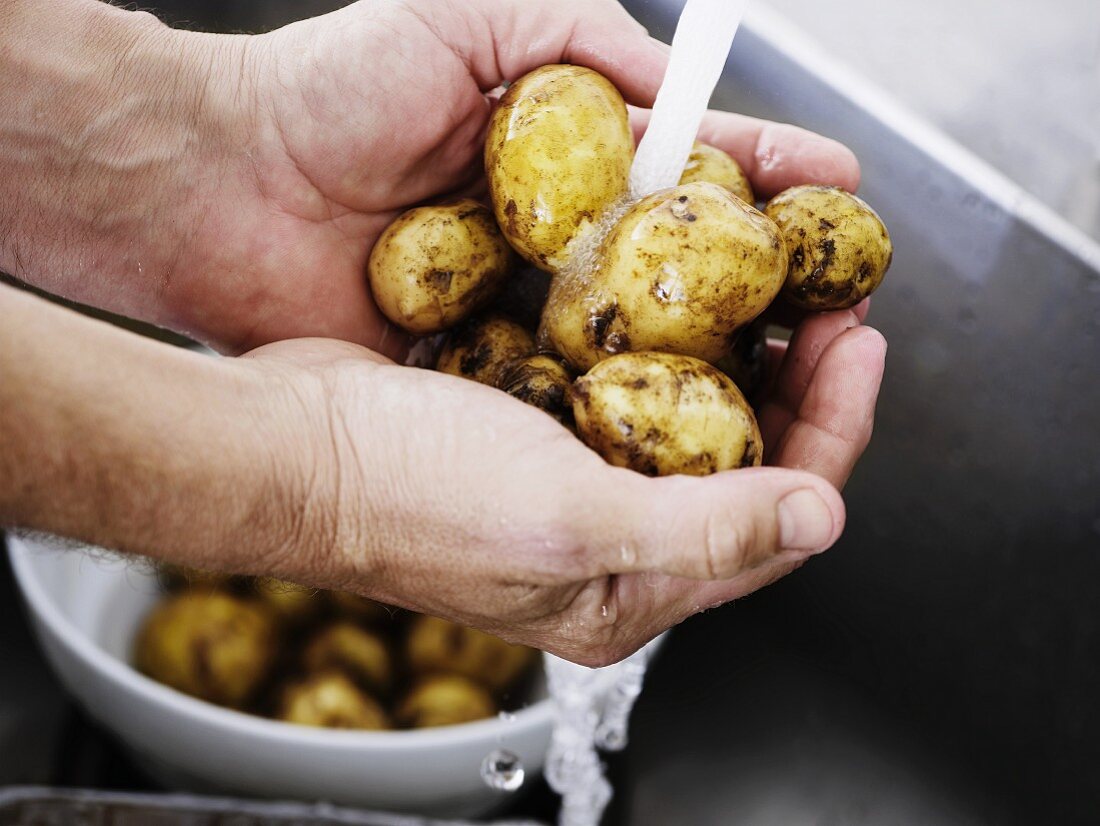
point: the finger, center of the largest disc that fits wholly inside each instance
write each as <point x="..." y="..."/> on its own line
<point x="713" y="528"/>
<point x="504" y="40"/>
<point x="836" y="416"/>
<point x="806" y="346"/>
<point x="774" y="156"/>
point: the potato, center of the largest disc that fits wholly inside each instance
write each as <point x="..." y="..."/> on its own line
<point x="360" y="608"/>
<point x="210" y="645"/>
<point x="662" y="414"/>
<point x="557" y="155"/>
<point x="435" y="645"/>
<point x="436" y="265"/>
<point x="712" y="165"/>
<point x="747" y="362"/>
<point x="681" y="272"/>
<point x="445" y="700"/>
<point x="839" y="248"/>
<point x="345" y="647"/>
<point x="288" y="600"/>
<point x="182" y="578"/>
<point x="330" y="700"/>
<point x="482" y="348"/>
<point x="540" y="380"/>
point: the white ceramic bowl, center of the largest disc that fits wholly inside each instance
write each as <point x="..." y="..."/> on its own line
<point x="85" y="609"/>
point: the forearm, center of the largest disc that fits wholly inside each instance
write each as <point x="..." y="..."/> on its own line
<point x="123" y="442"/>
<point x="111" y="127"/>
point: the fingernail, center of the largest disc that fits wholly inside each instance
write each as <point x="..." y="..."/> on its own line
<point x="805" y="521"/>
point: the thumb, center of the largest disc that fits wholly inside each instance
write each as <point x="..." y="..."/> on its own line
<point x="710" y="528"/>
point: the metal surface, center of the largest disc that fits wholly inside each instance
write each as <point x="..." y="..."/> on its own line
<point x="942" y="663"/>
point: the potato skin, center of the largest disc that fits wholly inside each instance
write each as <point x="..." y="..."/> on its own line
<point x="436" y="265"/>
<point x="212" y="646"/>
<point x="681" y="272"/>
<point x="712" y="165"/>
<point x="437" y="646"/>
<point x="445" y="700"/>
<point x="662" y="414"/>
<point x="839" y="248"/>
<point x="557" y="155"/>
<point x="330" y="700"/>
<point x="482" y="348"/>
<point x="747" y="362"/>
<point x="354" y="651"/>
<point x="541" y="381"/>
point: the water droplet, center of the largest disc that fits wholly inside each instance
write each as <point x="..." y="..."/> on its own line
<point x="603" y="610"/>
<point x="502" y="770"/>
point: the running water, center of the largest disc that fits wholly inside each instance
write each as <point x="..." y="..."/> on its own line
<point x="593" y="706"/>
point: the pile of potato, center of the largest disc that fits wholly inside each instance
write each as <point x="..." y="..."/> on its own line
<point x="323" y="658"/>
<point x="644" y="339"/>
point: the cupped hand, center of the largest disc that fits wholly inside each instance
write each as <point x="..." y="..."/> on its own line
<point x="342" y="121"/>
<point x="448" y="497"/>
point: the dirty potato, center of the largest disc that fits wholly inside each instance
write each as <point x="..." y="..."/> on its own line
<point x="482" y="348"/>
<point x="662" y="414"/>
<point x="436" y="646"/>
<point x="330" y="700"/>
<point x="289" y="601"/>
<point x="360" y="608"/>
<point x="712" y="165"/>
<point x="540" y="380"/>
<point x="436" y="265"/>
<point x="345" y="647"/>
<point x="210" y="645"/>
<point x="681" y="272"/>
<point x="747" y="362"/>
<point x="557" y="155"/>
<point x="445" y="700"/>
<point x="839" y="248"/>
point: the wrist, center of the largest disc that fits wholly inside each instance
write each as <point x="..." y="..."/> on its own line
<point x="132" y="445"/>
<point x="116" y="129"/>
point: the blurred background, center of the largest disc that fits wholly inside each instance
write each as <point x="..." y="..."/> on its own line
<point x="942" y="664"/>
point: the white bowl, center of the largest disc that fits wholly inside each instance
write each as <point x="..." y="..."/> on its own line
<point x="85" y="609"/>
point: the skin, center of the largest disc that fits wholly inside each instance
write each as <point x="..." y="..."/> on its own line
<point x="232" y="187"/>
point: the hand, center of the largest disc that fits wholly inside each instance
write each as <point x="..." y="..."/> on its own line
<point x="232" y="186"/>
<point x="448" y="497"/>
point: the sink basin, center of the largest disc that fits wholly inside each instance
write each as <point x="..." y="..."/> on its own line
<point x="942" y="663"/>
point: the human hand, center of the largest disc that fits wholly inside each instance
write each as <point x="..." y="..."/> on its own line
<point x="231" y="187"/>
<point x="451" y="498"/>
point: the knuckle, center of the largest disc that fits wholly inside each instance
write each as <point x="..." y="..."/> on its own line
<point x="729" y="542"/>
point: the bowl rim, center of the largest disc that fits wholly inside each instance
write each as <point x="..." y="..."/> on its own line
<point x="20" y="552"/>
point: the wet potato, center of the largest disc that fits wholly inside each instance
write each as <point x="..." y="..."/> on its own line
<point x="539" y="380"/>
<point x="437" y="646"/>
<point x="436" y="265"/>
<point x="345" y="647"/>
<point x="445" y="700"/>
<point x="213" y="646"/>
<point x="681" y="272"/>
<point x="557" y="155"/>
<point x="663" y="414"/>
<point x="330" y="700"/>
<point x="839" y="248"/>
<point x="482" y="348"/>
<point x="289" y="601"/>
<point x="711" y="165"/>
<point x="747" y="362"/>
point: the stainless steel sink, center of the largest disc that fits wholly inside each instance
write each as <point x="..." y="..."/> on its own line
<point x="942" y="664"/>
